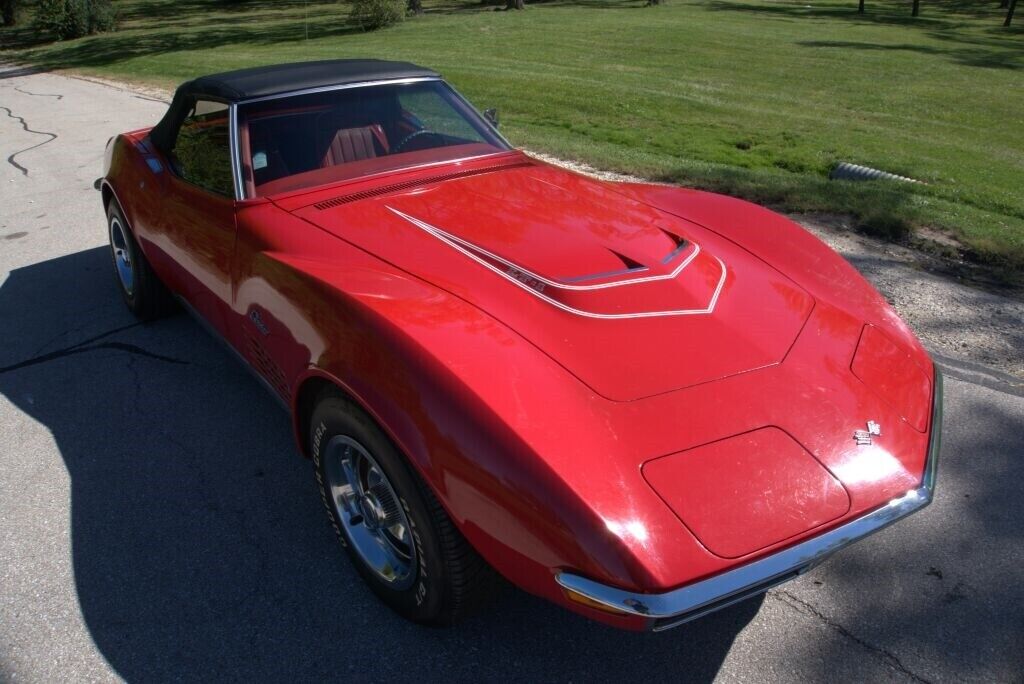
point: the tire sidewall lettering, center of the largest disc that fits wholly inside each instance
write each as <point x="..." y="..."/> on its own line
<point x="318" y="435"/>
<point x="421" y="557"/>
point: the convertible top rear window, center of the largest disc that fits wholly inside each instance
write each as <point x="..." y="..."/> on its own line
<point x="293" y="142"/>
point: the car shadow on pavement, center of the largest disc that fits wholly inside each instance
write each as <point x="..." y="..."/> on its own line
<point x="199" y="544"/>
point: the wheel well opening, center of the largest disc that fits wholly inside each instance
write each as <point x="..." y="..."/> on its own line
<point x="107" y="194"/>
<point x="305" y="403"/>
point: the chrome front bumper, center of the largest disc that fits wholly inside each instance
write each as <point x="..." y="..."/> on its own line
<point x="687" y="603"/>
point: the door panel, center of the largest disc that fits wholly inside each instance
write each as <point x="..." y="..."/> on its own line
<point x="200" y="239"/>
<point x="198" y="217"/>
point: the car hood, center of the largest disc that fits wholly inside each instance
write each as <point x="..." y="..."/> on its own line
<point x="633" y="301"/>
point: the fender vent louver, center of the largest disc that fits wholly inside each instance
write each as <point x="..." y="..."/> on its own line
<point x="266" y="367"/>
<point x="397" y="187"/>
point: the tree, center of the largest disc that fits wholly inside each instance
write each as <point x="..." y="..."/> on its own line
<point x="416" y="6"/>
<point x="860" y="7"/>
<point x="917" y="7"/>
<point x="1009" y="12"/>
<point x="651" y="3"/>
<point x="9" y="10"/>
<point x="515" y="4"/>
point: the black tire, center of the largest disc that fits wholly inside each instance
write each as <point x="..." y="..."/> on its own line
<point x="450" y="579"/>
<point x="144" y="294"/>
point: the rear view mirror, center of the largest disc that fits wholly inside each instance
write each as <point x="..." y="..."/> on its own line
<point x="492" y="116"/>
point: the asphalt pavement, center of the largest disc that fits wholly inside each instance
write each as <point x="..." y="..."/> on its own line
<point x="156" y="523"/>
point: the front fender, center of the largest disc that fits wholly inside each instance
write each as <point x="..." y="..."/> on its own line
<point x="481" y="413"/>
<point x="783" y="244"/>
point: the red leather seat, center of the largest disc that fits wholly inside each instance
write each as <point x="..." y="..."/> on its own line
<point x="355" y="144"/>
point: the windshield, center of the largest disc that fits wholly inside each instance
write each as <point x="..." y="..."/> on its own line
<point x="300" y="141"/>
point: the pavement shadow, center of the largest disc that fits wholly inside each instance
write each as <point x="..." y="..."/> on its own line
<point x="199" y="544"/>
<point x="956" y="609"/>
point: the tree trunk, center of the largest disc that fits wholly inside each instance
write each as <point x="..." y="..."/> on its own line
<point x="1003" y="4"/>
<point x="917" y="7"/>
<point x="1009" y="12"/>
<point x="860" y="7"/>
<point x="416" y="6"/>
<point x="7" y="8"/>
<point x="653" y="2"/>
<point x="515" y="4"/>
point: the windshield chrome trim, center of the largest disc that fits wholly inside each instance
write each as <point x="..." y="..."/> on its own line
<point x="675" y="607"/>
<point x="236" y="154"/>
<point x="339" y="86"/>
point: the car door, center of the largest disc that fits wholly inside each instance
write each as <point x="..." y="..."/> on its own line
<point x="198" y="212"/>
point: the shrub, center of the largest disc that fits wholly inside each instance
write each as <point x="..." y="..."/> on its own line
<point x="75" y="18"/>
<point x="375" y="14"/>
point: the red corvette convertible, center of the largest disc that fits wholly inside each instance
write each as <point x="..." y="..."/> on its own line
<point x="643" y="403"/>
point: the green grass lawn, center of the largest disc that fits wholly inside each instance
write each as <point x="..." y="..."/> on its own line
<point x="756" y="98"/>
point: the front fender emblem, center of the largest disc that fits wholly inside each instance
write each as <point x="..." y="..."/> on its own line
<point x="257" y="320"/>
<point x="863" y="437"/>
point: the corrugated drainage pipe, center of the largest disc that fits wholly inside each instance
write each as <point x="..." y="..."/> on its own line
<point x="855" y="172"/>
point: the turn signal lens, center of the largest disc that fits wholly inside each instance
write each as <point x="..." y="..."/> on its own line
<point x="591" y="603"/>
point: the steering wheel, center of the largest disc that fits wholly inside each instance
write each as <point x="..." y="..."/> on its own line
<point x="412" y="136"/>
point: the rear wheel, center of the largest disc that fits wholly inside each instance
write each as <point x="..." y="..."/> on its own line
<point x="398" y="536"/>
<point x="143" y="292"/>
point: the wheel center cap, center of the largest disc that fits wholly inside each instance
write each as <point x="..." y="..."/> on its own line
<point x="372" y="513"/>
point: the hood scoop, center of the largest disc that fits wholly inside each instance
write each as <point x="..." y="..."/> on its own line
<point x="679" y="242"/>
<point x="628" y="266"/>
<point x="415" y="182"/>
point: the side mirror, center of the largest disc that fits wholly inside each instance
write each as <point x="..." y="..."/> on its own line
<point x="492" y="116"/>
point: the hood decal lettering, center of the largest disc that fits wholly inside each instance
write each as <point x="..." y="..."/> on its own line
<point x="524" y="277"/>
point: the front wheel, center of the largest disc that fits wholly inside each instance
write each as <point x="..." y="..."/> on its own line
<point x="398" y="536"/>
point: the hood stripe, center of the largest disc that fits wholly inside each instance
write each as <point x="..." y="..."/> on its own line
<point x="468" y="248"/>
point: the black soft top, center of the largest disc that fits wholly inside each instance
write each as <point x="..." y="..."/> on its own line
<point x="243" y="84"/>
<point x="232" y="86"/>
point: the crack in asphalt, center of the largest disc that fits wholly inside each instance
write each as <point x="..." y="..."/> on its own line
<point x="72" y="331"/>
<point x="20" y="90"/>
<point x="888" y="657"/>
<point x="88" y="340"/>
<point x="93" y="344"/>
<point x="24" y="125"/>
<point x="119" y="346"/>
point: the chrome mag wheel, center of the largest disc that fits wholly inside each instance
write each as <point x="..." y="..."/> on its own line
<point x="366" y="504"/>
<point x="122" y="255"/>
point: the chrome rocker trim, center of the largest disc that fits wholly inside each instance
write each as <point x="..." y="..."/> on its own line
<point x="687" y="603"/>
